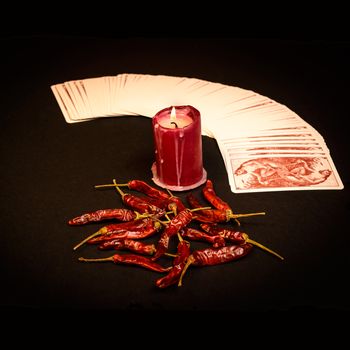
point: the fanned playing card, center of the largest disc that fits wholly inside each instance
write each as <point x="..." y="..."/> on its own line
<point x="265" y="145"/>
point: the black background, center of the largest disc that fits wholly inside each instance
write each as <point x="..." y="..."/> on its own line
<point x="49" y="167"/>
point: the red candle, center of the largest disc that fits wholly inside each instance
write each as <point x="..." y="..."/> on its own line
<point x="178" y="148"/>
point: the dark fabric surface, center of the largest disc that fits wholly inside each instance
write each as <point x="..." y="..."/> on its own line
<point x="49" y="168"/>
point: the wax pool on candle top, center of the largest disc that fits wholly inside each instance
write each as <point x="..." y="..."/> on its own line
<point x="177" y="119"/>
<point x="178" y="149"/>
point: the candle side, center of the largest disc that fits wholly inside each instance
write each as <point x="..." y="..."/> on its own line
<point x="178" y="151"/>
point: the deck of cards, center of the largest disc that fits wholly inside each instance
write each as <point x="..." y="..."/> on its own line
<point x="264" y="144"/>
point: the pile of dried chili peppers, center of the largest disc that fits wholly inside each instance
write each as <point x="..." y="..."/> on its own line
<point x="161" y="215"/>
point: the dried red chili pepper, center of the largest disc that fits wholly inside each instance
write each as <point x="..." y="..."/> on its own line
<point x="163" y="199"/>
<point x="215" y="201"/>
<point x="132" y="233"/>
<point x="140" y="186"/>
<point x="212" y="198"/>
<point x="106" y="214"/>
<point x="168" y="200"/>
<point x="183" y="252"/>
<point x="211" y="256"/>
<point x="215" y="215"/>
<point x="210" y="215"/>
<point x="197" y="235"/>
<point x="160" y="203"/>
<point x="129" y="244"/>
<point x="156" y="198"/>
<point x="230" y="235"/>
<point x="131" y="259"/>
<point x="202" y="218"/>
<point x="180" y="221"/>
<point x="137" y="203"/>
<point x="132" y="230"/>
<point x="235" y="237"/>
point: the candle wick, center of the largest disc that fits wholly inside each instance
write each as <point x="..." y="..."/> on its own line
<point x="174" y="124"/>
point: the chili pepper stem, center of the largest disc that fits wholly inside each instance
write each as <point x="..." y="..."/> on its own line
<point x="248" y="240"/>
<point x="237" y="222"/>
<point x="173" y="208"/>
<point x="164" y="223"/>
<point x="189" y="261"/>
<point x="111" y="185"/>
<point x="99" y="232"/>
<point x="140" y="216"/>
<point x="234" y="216"/>
<point x="118" y="189"/>
<point x="202" y="208"/>
<point x="172" y="255"/>
<point x="181" y="239"/>
<point x="96" y="260"/>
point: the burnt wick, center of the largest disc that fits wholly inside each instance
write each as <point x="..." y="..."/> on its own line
<point x="174" y="124"/>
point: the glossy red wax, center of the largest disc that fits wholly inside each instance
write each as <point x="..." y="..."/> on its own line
<point x="178" y="150"/>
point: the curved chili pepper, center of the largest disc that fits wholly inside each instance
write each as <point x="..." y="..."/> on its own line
<point x="214" y="215"/>
<point x="158" y="202"/>
<point x="129" y="244"/>
<point x="131" y="259"/>
<point x="140" y="186"/>
<point x="145" y="231"/>
<point x="194" y="203"/>
<point x="183" y="252"/>
<point x="175" y="225"/>
<point x="214" y="200"/>
<point x="202" y="218"/>
<point x="196" y="235"/>
<point x="105" y="214"/>
<point x="230" y="235"/>
<point x="211" y="256"/>
<point x="137" y="203"/>
<point x="162" y="198"/>
<point x="143" y="187"/>
<point x="121" y="228"/>
<point x="235" y="237"/>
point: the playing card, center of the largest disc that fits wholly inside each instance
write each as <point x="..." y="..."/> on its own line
<point x="79" y="102"/>
<point x="62" y="105"/>
<point x="97" y="90"/>
<point x="283" y="172"/>
<point x="66" y="100"/>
